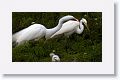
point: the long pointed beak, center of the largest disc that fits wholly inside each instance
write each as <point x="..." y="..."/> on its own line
<point x="87" y="27"/>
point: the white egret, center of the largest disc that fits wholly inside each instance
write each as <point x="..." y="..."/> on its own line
<point x="50" y="32"/>
<point x="55" y="58"/>
<point x="38" y="31"/>
<point x="71" y="27"/>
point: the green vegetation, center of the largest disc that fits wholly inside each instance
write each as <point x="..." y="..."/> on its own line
<point x="86" y="47"/>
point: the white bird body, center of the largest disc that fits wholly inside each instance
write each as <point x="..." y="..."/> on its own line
<point x="69" y="33"/>
<point x="68" y="28"/>
<point x="32" y="32"/>
<point x="50" y="32"/>
<point x="38" y="31"/>
<point x="55" y="58"/>
<point x="71" y="27"/>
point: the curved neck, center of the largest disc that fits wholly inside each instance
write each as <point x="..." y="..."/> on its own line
<point x="50" y="32"/>
<point x="80" y="30"/>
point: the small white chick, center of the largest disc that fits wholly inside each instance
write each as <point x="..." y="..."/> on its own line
<point x="55" y="58"/>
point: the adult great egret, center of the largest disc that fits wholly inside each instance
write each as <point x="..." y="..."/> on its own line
<point x="38" y="31"/>
<point x="71" y="27"/>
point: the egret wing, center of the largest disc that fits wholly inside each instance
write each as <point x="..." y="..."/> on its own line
<point x="32" y="32"/>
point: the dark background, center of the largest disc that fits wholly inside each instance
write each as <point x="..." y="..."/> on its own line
<point x="85" y="47"/>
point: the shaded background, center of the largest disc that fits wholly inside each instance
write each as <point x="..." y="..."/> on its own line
<point x="86" y="47"/>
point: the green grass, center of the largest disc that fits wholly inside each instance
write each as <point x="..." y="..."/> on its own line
<point x="86" y="47"/>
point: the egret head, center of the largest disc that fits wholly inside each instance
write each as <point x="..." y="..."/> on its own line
<point x="67" y="18"/>
<point x="84" y="21"/>
<point x="52" y="54"/>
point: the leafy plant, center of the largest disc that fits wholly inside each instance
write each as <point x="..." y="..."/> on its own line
<point x="86" y="47"/>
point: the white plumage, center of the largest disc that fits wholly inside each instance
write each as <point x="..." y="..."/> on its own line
<point x="55" y="58"/>
<point x="38" y="31"/>
<point x="71" y="27"/>
<point x="32" y="32"/>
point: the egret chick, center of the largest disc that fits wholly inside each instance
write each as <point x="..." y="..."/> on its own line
<point x="55" y="58"/>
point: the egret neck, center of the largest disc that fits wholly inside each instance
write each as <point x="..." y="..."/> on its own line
<point x="50" y="32"/>
<point x="80" y="28"/>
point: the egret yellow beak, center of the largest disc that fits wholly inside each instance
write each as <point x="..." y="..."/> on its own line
<point x="87" y="27"/>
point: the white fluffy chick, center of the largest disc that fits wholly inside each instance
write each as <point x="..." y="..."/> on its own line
<point x="55" y="58"/>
